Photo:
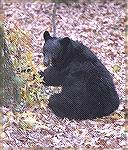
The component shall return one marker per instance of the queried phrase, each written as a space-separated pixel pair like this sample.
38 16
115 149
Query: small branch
54 19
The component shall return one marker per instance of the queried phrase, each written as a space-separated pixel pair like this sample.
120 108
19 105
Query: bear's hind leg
58 106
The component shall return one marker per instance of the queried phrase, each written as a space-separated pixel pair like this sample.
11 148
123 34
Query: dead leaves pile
41 128
99 25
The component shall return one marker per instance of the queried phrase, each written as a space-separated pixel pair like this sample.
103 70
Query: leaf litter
101 26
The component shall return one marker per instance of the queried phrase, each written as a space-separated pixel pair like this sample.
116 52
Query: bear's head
55 50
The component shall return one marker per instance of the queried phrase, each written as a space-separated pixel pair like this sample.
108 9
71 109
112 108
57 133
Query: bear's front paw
41 73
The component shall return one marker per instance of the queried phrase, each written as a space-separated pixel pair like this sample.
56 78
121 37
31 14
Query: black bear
88 90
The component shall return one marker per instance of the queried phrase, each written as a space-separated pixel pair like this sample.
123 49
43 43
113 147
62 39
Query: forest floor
100 25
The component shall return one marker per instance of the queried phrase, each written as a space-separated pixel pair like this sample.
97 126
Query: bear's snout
46 62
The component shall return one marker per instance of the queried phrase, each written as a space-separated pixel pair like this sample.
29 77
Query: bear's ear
65 41
47 36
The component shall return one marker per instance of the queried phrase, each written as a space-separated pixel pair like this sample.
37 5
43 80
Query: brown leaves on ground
99 25
41 128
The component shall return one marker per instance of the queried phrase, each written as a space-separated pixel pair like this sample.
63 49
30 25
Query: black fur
88 90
